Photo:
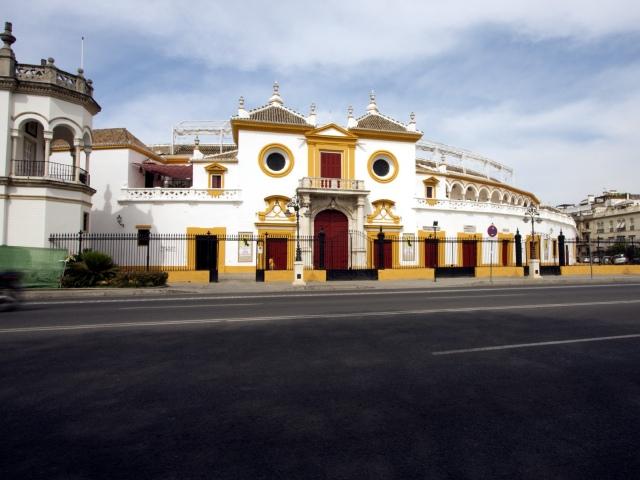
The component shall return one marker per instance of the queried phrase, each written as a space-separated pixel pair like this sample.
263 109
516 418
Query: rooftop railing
48 73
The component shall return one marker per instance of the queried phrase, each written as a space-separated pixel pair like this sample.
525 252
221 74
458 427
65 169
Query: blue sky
549 88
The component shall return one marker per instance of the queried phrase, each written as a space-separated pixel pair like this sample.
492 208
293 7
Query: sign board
492 230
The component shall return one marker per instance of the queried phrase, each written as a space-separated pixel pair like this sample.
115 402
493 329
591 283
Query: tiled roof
116 137
229 155
379 122
187 149
276 114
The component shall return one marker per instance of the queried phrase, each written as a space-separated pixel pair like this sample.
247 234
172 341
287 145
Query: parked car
10 290
595 259
620 259
607 260
635 260
586 260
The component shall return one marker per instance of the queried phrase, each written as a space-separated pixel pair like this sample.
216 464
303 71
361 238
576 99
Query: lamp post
294 204
298 267
435 242
532 214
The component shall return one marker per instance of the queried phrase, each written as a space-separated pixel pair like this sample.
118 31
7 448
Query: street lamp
532 214
295 205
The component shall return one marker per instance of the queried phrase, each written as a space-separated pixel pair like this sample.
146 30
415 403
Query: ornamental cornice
50 90
47 183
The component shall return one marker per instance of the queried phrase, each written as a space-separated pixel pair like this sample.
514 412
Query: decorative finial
7 36
242 113
311 118
372 107
276 99
351 122
196 141
412 122
50 61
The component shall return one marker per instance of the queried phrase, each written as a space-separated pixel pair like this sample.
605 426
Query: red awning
182 172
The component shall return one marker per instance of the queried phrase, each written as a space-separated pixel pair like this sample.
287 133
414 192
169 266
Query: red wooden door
335 226
505 253
330 165
469 253
388 252
276 253
431 253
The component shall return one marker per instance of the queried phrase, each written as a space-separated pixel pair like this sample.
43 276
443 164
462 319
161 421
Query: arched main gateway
333 254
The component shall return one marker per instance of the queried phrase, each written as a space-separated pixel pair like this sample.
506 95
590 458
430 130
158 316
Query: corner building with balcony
41 105
352 183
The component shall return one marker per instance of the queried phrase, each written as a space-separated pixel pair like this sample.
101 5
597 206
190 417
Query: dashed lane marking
95 326
535 344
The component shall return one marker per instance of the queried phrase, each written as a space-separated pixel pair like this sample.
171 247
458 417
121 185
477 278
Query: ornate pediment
215 168
383 213
276 210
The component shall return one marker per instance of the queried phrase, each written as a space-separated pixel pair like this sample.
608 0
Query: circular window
383 166
276 160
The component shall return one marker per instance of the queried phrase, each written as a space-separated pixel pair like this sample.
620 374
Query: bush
139 279
88 269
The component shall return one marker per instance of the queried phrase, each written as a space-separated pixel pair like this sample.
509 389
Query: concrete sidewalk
244 286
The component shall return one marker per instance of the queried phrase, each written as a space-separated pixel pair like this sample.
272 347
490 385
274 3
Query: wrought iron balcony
50 171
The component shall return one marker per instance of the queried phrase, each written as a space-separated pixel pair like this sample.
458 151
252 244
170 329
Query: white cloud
294 33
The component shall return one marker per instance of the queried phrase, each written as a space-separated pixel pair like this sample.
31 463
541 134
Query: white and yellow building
353 181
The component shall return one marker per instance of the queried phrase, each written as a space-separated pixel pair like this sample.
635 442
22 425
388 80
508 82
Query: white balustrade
321 183
180 195
489 207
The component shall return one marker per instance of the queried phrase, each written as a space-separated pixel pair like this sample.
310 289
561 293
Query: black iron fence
606 251
347 251
57 171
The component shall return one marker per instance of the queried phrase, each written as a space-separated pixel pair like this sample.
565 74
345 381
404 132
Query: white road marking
250 295
163 307
395 313
535 344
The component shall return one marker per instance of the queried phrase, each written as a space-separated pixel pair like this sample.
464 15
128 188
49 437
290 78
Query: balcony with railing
487 207
195 195
41 170
332 185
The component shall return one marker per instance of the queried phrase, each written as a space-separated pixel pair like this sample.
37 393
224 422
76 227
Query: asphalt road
527 382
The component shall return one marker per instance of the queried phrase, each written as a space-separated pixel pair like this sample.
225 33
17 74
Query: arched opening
484 195
456 192
471 195
506 198
495 197
28 155
331 246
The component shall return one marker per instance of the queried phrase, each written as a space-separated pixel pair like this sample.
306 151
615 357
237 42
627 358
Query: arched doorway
331 250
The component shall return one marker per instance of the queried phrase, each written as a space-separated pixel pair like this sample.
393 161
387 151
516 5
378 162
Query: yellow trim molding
390 157
244 124
191 245
381 135
262 160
